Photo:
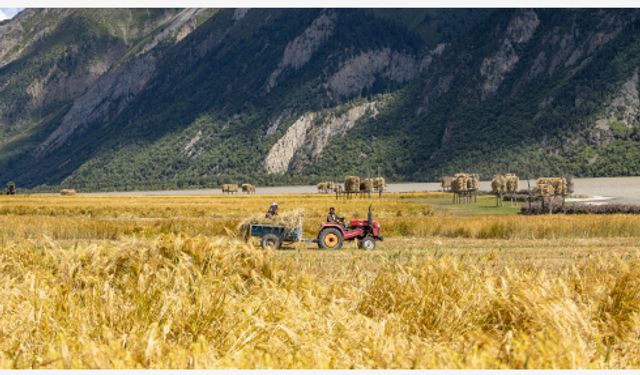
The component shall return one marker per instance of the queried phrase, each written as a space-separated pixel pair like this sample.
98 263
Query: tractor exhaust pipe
370 218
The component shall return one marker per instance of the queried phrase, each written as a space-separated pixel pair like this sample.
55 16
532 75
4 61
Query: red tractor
332 235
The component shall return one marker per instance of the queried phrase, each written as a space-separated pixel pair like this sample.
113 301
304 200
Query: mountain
170 98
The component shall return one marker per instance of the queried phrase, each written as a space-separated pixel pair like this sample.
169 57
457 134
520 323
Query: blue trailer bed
275 235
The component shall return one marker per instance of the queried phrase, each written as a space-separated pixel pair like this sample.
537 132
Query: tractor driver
273 211
332 217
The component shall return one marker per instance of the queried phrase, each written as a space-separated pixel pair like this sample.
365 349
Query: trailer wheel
367 243
271 240
330 239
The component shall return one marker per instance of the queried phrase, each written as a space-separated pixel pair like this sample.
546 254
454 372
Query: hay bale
459 183
322 187
352 184
379 184
366 185
558 185
512 182
338 188
331 186
445 183
68 192
288 219
473 182
498 184
248 188
230 188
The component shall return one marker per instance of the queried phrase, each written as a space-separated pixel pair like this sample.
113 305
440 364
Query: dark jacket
334 218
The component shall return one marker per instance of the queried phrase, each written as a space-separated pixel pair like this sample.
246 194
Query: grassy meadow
164 282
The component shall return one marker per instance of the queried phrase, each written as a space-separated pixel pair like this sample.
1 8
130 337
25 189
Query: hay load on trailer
285 227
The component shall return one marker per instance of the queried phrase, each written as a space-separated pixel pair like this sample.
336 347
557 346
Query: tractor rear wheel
330 239
367 243
271 240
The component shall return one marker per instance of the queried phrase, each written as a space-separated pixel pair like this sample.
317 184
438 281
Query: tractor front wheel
271 240
330 239
367 243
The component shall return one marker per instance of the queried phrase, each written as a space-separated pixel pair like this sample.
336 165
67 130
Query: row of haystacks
233 188
288 219
328 186
354 184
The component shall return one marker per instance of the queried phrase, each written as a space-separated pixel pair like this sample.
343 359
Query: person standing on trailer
273 211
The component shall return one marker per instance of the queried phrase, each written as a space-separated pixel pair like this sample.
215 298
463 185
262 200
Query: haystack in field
459 187
351 185
68 192
379 184
559 186
230 188
366 186
288 219
498 187
248 188
512 183
322 187
445 183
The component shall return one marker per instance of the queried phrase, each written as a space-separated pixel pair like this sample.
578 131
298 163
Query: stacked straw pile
352 184
512 183
379 184
230 188
248 188
366 185
473 182
551 186
288 219
445 183
460 182
68 192
498 184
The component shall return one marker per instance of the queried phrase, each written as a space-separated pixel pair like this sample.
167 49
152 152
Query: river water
615 189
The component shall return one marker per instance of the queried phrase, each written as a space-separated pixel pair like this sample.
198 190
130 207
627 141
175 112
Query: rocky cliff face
305 140
166 98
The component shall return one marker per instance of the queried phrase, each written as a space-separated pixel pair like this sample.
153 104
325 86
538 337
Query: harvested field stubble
156 282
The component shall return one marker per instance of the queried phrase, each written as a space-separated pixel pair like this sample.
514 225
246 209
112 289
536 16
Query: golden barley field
164 282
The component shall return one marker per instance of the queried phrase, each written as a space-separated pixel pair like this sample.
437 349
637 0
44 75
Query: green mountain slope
177 98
